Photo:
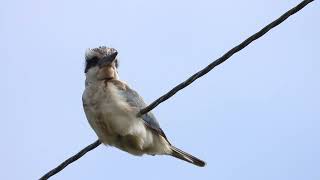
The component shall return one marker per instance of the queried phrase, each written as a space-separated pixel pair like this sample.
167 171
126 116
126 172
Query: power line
71 160
187 82
225 57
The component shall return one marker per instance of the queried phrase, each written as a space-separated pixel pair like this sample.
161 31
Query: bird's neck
102 75
92 81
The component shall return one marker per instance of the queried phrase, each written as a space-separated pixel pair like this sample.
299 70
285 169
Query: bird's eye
93 59
91 63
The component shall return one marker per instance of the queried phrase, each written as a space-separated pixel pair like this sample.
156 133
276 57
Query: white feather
110 115
89 54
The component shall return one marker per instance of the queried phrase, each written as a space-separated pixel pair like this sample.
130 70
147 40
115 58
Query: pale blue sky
254 117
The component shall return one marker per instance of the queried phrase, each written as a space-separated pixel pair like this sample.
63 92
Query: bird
112 108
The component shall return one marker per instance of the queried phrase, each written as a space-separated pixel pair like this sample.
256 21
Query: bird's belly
110 120
115 123
124 132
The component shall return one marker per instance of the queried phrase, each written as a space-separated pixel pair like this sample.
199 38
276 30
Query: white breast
111 117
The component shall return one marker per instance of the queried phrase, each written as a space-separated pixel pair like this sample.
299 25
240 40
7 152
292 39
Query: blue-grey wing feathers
133 99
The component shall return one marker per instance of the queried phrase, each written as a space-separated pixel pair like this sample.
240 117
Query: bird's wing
135 100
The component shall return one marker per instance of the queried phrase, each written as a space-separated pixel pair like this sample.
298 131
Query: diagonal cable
187 82
70 160
224 57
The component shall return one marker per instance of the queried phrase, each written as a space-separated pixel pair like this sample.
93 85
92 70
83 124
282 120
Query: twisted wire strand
187 82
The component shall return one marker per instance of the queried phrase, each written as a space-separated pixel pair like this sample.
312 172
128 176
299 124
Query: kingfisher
112 108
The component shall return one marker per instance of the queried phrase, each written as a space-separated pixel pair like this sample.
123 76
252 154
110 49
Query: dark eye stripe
90 63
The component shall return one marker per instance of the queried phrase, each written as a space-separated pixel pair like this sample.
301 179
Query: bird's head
101 63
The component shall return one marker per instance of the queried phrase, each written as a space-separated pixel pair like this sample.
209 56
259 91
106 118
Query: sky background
254 117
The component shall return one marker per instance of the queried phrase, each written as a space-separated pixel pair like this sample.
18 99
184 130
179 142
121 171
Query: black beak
107 59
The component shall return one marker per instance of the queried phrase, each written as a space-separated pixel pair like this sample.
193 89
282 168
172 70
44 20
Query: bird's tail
186 157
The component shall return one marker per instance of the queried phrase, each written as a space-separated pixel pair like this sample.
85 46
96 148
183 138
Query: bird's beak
108 59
